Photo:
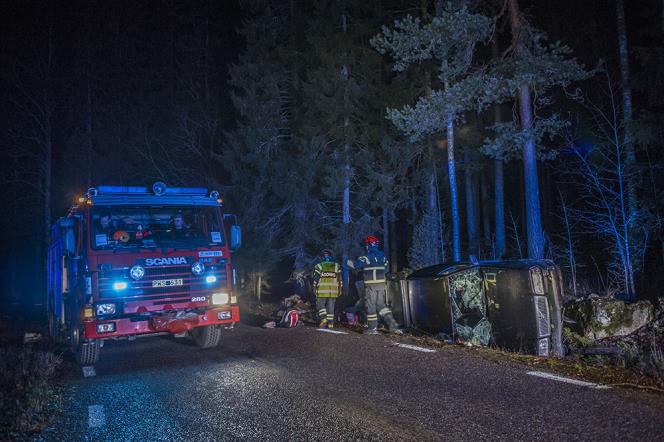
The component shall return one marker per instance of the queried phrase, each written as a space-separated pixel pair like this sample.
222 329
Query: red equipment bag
291 318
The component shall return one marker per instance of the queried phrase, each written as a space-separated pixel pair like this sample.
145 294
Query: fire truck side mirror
236 237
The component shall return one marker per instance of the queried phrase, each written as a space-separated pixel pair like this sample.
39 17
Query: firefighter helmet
371 241
326 252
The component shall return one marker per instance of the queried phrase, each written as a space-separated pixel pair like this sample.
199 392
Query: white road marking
89 371
96 417
541 374
416 348
336 332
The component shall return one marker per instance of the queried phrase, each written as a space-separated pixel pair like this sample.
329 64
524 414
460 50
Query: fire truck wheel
206 337
87 353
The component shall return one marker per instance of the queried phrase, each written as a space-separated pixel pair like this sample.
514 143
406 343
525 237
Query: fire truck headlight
119 286
210 279
136 272
105 309
197 268
220 298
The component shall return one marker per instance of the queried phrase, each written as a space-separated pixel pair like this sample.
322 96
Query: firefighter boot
392 324
322 318
330 320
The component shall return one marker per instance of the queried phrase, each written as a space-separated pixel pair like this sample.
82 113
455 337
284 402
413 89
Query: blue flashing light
210 279
119 286
187 190
142 190
122 189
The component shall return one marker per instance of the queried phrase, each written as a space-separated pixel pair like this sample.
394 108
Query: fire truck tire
87 353
206 337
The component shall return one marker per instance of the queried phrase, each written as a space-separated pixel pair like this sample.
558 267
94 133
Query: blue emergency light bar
139 190
139 195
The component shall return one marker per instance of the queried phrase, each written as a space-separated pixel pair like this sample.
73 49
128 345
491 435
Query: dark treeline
501 129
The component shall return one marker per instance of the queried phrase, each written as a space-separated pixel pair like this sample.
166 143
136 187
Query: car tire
206 337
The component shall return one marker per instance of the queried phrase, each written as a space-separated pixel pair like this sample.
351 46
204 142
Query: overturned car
513 305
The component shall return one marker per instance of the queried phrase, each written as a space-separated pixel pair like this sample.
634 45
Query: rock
30 337
599 318
659 310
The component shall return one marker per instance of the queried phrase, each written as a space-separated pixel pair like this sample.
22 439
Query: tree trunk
499 185
345 273
432 208
394 256
386 228
432 196
499 195
89 134
259 286
471 218
47 165
88 75
486 218
439 213
454 199
532 194
570 244
630 157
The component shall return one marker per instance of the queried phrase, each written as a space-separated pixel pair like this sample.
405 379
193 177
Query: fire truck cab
133 261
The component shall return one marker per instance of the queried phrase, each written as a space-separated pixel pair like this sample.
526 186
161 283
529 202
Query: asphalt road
303 384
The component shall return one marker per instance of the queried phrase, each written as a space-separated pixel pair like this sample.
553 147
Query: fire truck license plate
166 282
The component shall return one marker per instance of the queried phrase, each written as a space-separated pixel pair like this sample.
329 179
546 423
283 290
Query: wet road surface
304 384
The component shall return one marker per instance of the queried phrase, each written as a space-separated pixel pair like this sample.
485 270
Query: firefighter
327 283
374 266
180 229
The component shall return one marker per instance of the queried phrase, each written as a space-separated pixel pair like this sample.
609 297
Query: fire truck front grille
145 288
542 316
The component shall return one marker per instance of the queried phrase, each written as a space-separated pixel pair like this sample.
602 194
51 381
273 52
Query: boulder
599 318
659 310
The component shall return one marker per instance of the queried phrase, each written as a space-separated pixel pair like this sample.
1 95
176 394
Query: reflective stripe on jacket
374 266
327 274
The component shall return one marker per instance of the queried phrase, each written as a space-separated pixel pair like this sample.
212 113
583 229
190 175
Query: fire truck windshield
177 227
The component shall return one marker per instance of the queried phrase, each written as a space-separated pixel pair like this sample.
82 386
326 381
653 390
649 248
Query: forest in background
324 121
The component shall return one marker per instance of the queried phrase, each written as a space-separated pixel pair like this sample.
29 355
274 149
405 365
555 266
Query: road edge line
553 377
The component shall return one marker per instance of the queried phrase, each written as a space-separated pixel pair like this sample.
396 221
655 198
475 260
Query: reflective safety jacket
374 266
328 279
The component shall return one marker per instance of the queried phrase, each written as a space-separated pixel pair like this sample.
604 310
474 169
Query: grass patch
27 390
597 369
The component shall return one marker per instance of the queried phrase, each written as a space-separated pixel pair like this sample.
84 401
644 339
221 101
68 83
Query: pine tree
450 40
253 145
421 253
531 65
339 108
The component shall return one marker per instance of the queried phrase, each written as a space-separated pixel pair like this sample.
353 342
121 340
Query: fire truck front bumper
170 322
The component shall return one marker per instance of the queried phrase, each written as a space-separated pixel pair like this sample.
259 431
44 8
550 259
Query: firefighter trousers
325 307
374 300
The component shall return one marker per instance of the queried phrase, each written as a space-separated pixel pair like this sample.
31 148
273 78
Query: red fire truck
134 261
